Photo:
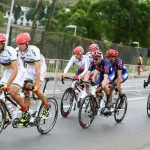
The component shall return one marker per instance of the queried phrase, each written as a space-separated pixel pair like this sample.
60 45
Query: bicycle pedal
6 124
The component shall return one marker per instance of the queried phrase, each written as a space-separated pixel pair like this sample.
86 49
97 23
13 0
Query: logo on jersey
106 69
33 52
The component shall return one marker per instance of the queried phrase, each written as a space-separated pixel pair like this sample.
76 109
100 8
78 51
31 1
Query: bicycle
71 97
148 99
90 107
35 116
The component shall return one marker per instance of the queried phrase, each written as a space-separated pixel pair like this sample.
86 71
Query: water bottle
115 98
77 94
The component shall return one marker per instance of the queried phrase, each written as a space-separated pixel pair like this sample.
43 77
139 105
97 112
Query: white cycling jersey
83 64
30 57
6 57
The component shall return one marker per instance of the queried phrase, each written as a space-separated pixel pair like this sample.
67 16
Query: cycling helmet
2 38
93 47
79 49
111 53
23 38
97 54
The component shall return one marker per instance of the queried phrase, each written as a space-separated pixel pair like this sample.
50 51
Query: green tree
1 19
17 13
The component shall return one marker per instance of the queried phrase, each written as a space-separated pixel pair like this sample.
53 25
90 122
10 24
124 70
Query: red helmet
23 38
97 54
112 53
2 38
79 49
93 47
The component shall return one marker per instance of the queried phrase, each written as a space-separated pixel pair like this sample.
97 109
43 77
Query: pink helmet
23 38
112 53
97 54
2 38
79 49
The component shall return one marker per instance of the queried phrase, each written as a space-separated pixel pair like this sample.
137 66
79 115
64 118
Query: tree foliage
118 21
17 12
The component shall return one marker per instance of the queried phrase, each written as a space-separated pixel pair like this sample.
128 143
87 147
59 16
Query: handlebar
70 78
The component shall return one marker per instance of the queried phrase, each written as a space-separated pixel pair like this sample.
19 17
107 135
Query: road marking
132 99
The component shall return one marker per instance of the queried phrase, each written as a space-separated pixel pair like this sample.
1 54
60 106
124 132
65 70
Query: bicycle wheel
66 102
119 114
86 112
148 105
2 116
45 125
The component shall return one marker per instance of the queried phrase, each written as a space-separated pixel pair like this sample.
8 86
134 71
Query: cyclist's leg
122 96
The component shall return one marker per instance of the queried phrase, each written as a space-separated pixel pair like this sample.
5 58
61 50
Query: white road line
132 99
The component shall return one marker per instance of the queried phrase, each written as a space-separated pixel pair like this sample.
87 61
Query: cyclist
14 74
106 75
92 49
121 73
81 61
36 71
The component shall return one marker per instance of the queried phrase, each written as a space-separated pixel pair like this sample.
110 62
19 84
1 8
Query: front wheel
2 116
67 102
119 114
148 106
86 112
45 125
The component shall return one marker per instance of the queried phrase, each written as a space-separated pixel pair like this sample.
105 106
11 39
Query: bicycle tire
45 125
118 111
148 105
2 116
67 102
87 110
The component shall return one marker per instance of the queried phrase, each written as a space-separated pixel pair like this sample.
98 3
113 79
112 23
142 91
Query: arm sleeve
86 60
68 65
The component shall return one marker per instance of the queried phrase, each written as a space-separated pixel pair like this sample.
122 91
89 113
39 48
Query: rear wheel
148 106
66 102
45 125
86 112
119 114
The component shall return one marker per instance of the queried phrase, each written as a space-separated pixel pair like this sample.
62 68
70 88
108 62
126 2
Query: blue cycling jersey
105 67
118 65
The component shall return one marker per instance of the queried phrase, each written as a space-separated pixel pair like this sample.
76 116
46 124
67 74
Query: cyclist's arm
87 75
38 73
68 65
14 66
119 78
105 81
86 60
96 72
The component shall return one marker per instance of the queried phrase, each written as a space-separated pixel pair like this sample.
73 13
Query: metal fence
55 67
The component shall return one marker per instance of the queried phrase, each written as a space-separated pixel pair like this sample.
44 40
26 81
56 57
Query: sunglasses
95 59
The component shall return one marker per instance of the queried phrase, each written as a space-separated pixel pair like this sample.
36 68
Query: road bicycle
72 96
90 107
35 116
148 99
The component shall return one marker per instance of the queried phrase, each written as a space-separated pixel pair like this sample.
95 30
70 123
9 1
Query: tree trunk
33 28
47 27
